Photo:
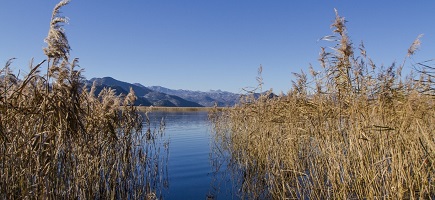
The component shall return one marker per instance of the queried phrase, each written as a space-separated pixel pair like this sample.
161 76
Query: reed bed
58 140
353 130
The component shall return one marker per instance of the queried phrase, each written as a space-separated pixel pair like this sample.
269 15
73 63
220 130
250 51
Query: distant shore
177 109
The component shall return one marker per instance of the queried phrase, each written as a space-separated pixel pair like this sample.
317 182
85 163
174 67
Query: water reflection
194 171
155 150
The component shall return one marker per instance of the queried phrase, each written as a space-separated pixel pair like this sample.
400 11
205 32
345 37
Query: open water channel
191 171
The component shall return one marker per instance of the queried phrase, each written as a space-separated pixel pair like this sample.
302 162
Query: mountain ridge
207 99
162 96
146 97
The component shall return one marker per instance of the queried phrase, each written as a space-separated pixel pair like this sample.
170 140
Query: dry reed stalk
362 132
60 141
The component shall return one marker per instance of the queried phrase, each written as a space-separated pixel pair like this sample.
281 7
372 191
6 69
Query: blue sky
212 44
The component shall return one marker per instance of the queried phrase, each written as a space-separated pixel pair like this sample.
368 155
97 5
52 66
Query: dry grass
351 131
60 141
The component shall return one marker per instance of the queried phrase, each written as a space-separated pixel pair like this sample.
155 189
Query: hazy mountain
146 97
207 99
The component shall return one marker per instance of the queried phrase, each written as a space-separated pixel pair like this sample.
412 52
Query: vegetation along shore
354 130
351 130
58 140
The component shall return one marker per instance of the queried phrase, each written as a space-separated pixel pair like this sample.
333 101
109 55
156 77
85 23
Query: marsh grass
351 131
60 141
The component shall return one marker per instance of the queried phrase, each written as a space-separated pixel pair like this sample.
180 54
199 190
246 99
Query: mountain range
208 99
161 96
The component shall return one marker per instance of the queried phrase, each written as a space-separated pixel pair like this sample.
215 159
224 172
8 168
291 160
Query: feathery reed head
57 42
415 45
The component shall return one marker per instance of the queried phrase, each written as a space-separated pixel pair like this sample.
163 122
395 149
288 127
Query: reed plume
57 42
59 140
353 130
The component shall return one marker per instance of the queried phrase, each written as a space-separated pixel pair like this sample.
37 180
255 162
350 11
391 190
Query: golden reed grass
60 141
352 131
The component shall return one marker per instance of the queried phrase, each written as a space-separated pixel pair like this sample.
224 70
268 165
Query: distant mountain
120 91
146 97
162 99
221 98
109 81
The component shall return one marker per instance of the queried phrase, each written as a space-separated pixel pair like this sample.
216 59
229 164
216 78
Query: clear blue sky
211 44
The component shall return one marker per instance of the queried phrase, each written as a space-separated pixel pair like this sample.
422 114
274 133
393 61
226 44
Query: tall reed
58 140
353 130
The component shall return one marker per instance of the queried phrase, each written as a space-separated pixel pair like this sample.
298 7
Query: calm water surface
190 171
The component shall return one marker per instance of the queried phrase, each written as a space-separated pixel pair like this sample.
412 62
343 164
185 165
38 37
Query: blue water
189 169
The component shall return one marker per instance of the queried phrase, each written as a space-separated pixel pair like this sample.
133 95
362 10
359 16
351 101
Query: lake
190 168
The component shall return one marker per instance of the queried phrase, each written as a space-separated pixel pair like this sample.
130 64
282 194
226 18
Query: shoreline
177 109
